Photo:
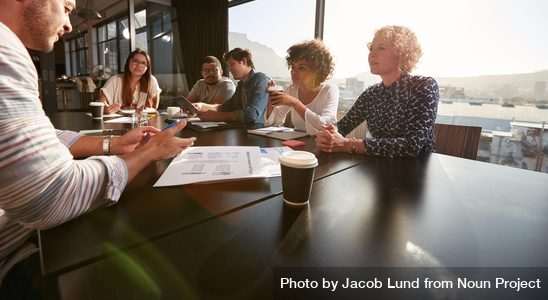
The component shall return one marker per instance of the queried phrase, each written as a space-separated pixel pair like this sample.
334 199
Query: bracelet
353 144
106 145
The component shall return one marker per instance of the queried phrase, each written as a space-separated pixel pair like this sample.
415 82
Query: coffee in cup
96 109
297 176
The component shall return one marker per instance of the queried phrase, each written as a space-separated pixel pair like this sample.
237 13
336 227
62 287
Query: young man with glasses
214 88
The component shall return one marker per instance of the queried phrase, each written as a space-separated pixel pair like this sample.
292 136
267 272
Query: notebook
208 126
281 133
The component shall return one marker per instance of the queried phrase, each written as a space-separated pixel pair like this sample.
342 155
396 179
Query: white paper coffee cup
96 109
297 176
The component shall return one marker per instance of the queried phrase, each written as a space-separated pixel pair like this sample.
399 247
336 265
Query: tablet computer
186 105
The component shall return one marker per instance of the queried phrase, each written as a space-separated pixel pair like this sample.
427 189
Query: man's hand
132 140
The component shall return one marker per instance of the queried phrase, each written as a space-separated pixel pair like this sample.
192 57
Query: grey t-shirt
224 89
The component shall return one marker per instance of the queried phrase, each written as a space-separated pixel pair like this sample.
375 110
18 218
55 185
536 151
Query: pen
275 131
170 125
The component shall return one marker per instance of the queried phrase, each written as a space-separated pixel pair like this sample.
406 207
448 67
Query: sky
458 38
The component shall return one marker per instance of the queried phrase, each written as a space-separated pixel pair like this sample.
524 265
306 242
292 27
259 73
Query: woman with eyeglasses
135 85
400 111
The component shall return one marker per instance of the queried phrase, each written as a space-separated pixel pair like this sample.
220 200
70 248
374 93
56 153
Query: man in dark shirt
248 104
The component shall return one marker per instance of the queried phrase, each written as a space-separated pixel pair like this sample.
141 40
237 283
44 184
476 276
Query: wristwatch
106 145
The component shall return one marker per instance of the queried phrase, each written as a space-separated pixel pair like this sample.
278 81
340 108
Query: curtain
203 31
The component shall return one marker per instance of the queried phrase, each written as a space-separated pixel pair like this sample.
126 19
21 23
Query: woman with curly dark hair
311 101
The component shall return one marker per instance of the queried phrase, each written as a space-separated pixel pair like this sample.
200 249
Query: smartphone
185 104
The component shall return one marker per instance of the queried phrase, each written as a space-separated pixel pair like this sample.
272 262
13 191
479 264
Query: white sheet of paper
205 164
124 120
270 166
148 110
274 129
207 124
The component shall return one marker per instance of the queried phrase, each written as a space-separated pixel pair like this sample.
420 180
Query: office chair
457 140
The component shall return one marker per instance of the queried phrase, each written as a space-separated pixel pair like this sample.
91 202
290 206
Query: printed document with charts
206 164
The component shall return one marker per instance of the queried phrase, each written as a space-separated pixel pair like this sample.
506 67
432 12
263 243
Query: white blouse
113 90
322 108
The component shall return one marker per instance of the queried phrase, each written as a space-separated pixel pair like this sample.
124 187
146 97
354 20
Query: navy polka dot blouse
400 117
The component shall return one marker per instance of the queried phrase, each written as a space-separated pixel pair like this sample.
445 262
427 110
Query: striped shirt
42 185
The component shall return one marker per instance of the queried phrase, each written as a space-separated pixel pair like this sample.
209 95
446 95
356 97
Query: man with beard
214 88
248 104
43 185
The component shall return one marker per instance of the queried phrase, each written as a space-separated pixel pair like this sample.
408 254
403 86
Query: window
268 28
162 40
78 55
107 46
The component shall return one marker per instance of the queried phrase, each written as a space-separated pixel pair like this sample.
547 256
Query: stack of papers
215 163
126 120
147 110
280 132
204 125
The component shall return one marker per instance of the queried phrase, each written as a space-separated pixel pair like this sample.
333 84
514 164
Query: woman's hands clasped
329 140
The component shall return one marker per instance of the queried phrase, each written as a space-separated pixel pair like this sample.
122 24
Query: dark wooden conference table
235 240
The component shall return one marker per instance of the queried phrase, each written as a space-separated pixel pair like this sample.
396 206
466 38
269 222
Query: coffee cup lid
97 104
298 159
276 88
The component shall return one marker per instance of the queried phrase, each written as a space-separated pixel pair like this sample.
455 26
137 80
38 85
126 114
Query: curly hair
406 45
316 55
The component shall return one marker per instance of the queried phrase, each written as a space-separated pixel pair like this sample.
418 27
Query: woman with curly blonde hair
310 100
400 111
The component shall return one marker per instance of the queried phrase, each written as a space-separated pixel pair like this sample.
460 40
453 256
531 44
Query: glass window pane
252 25
73 63
162 55
101 33
111 56
156 27
141 41
141 19
82 62
166 22
111 30
101 54
124 53
80 42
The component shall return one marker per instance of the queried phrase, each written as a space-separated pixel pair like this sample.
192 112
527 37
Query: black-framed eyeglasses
140 63
210 71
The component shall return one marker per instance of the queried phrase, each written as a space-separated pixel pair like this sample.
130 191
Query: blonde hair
406 45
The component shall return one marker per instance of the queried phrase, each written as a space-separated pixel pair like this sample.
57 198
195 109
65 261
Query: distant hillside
264 57
505 86
524 81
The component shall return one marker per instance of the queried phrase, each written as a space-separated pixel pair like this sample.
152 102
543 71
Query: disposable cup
96 109
297 176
